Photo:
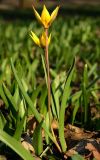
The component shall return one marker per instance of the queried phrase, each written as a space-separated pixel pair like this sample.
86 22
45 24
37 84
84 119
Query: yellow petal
37 14
35 39
45 17
43 39
49 39
54 14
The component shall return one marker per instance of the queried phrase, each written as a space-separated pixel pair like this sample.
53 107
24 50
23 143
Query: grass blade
2 121
19 128
66 94
15 146
85 94
77 157
37 139
14 107
3 96
30 103
76 107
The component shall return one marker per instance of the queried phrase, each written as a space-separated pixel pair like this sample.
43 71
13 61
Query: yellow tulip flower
35 39
41 42
43 39
46 19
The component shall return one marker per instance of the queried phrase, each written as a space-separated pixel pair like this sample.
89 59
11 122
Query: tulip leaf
30 103
76 107
77 157
15 145
85 93
14 107
65 97
19 128
37 139
2 121
3 96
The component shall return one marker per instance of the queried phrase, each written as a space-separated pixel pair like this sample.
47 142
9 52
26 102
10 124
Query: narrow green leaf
12 107
22 108
93 82
2 120
42 101
34 97
3 96
93 69
10 97
15 146
30 103
48 126
53 104
65 96
85 93
16 95
36 113
44 67
76 107
53 73
95 96
76 96
36 93
19 129
55 96
85 76
37 139
77 157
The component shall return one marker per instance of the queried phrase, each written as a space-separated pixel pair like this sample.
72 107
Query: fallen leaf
92 149
28 146
76 133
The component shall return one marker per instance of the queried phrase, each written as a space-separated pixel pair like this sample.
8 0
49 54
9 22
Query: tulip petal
49 39
37 15
45 17
35 39
54 14
43 39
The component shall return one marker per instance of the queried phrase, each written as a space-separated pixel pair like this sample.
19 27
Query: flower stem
48 75
49 88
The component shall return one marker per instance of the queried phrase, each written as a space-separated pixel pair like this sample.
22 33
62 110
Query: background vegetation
71 37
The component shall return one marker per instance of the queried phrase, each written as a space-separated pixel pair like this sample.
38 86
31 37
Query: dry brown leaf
31 121
70 153
76 133
92 149
28 146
